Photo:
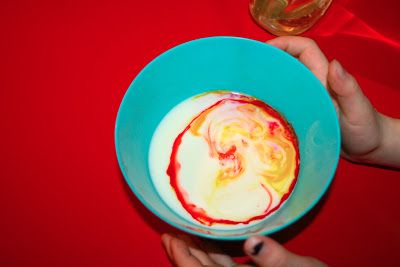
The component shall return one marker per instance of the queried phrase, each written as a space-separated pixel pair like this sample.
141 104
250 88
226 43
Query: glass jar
287 17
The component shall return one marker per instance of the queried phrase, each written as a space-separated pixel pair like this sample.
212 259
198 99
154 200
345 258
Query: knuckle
278 260
311 42
308 41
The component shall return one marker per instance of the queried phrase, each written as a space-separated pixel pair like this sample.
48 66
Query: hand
367 135
263 251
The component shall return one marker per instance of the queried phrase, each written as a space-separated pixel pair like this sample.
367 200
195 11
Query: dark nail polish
257 248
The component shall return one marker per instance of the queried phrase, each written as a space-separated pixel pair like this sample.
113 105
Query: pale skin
368 137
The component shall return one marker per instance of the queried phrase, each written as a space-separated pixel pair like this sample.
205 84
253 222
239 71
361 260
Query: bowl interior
244 66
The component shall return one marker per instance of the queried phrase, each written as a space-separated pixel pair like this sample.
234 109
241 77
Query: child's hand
183 251
367 135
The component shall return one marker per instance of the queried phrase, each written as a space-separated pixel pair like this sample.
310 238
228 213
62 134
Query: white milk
236 200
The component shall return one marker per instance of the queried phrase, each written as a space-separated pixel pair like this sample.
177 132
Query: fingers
307 51
194 249
182 255
179 252
217 255
266 252
166 240
183 251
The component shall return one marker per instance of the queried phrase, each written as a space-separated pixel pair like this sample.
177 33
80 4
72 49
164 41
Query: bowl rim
204 234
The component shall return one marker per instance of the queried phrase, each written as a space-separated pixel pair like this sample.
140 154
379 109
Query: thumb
266 252
353 104
359 121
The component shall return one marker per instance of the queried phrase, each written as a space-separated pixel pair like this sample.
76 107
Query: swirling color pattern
246 161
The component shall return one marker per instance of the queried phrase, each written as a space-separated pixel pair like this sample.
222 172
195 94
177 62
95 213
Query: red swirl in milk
235 162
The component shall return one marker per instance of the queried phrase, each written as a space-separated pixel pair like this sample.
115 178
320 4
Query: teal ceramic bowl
245 66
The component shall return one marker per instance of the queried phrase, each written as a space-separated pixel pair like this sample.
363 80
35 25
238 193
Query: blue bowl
245 66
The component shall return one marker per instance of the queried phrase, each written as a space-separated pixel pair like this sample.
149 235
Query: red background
64 68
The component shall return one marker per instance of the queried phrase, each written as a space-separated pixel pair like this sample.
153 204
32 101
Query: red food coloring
272 126
174 166
230 154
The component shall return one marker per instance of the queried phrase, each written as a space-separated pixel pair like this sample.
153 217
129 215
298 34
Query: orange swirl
252 143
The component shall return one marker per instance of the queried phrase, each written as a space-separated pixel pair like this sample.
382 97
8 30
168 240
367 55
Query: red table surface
64 68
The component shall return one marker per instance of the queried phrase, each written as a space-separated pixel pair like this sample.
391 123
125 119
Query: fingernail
340 71
257 248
